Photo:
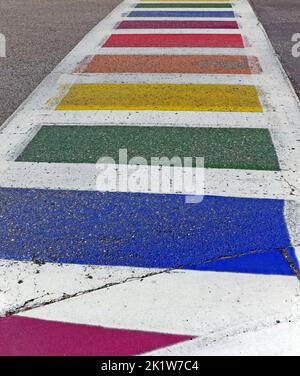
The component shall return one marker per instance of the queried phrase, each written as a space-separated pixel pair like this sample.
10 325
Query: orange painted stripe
209 64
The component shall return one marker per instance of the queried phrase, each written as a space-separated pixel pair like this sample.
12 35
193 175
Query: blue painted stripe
216 14
140 230
256 263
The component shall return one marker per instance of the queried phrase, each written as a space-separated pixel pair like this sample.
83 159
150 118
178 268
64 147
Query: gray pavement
281 19
39 33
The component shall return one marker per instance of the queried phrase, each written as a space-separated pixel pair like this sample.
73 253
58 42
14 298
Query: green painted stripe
180 5
222 148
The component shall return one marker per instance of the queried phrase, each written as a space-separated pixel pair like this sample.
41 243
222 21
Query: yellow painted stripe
164 97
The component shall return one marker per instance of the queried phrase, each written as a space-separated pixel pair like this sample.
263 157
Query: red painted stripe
33 337
178 25
175 40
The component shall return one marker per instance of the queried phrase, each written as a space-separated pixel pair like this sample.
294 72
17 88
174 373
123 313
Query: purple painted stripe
178 25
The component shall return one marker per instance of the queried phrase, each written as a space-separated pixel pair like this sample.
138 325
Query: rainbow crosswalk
162 78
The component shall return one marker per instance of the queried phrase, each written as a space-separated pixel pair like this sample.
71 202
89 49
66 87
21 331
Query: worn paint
201 64
156 24
221 148
161 97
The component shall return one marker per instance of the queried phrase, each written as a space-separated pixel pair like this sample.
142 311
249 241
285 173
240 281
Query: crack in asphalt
292 187
24 307
288 259
30 304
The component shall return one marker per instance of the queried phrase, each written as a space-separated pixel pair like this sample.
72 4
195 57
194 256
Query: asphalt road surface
39 34
281 19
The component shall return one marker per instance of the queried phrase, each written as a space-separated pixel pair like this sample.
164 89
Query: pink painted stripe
33 337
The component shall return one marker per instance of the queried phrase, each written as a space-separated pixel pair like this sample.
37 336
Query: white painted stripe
270 119
206 304
280 339
175 31
171 51
229 183
24 281
175 78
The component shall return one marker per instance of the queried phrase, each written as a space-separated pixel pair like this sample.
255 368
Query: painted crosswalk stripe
63 233
184 5
162 97
157 24
163 231
221 148
195 14
204 64
180 302
194 1
175 40
26 336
